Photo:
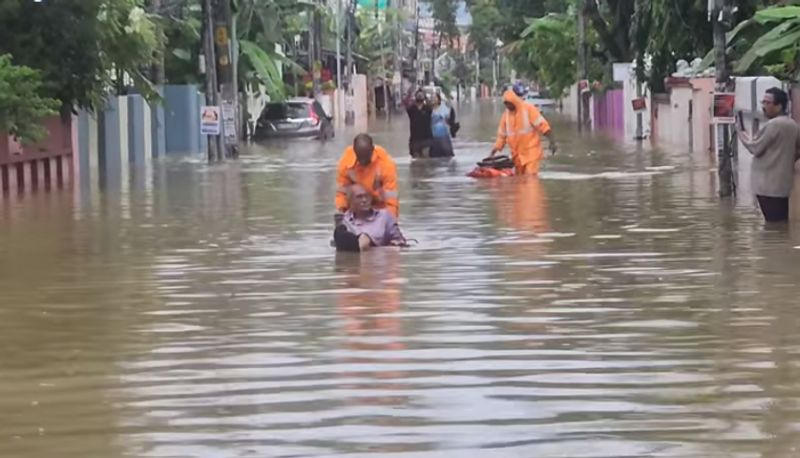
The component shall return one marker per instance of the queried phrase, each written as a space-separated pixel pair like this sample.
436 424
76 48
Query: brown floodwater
613 307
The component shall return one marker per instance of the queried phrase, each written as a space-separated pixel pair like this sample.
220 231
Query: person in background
521 128
419 116
442 119
363 227
370 166
775 149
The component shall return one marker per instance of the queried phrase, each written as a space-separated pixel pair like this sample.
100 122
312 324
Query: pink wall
43 164
58 143
609 111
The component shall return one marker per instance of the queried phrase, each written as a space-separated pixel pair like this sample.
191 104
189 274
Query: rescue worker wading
370 166
521 128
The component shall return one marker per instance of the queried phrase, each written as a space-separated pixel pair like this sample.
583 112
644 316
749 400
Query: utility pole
494 73
338 91
397 82
583 98
312 52
214 141
720 22
419 52
478 73
639 94
223 20
317 37
383 62
350 115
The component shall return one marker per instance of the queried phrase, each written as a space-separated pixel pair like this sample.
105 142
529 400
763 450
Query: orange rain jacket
522 131
379 178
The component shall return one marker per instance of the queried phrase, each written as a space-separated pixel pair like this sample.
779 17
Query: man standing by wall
775 148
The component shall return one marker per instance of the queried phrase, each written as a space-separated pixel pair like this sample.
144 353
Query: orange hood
511 97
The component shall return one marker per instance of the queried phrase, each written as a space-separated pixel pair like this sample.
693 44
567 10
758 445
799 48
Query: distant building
427 26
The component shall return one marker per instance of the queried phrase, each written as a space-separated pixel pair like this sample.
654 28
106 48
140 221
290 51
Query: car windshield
278 111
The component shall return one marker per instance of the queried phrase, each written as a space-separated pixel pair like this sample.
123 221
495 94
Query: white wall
626 75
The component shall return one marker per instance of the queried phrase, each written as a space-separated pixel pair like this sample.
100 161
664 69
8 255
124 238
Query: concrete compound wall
682 118
129 133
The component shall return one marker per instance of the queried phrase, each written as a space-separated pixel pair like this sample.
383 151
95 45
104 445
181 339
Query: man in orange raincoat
370 166
521 128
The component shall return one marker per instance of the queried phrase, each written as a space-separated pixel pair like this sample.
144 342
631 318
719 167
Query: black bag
497 162
454 128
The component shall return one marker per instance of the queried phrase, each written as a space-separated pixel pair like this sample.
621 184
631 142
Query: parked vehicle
431 91
297 117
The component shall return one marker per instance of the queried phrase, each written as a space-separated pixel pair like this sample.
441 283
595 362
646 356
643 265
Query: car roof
294 100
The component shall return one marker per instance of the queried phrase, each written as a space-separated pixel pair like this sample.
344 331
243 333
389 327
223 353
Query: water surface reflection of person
369 305
521 203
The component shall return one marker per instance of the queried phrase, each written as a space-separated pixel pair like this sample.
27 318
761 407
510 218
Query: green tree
375 42
81 47
444 16
486 21
546 52
22 106
262 26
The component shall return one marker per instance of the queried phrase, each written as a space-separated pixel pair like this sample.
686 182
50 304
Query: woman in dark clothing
419 116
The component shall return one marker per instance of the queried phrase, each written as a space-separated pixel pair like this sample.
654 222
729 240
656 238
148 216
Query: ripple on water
608 309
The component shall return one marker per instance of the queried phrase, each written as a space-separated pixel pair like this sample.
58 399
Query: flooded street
612 307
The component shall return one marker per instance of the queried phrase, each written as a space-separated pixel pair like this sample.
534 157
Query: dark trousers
775 209
442 147
419 147
345 240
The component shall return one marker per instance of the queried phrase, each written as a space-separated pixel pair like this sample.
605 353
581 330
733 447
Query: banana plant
769 41
262 27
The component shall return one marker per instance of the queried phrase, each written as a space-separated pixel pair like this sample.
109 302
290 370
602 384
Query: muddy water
611 308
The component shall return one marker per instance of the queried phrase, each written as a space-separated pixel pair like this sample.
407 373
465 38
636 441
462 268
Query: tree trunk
157 69
616 43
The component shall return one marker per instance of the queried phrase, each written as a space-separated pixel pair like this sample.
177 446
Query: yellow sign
222 36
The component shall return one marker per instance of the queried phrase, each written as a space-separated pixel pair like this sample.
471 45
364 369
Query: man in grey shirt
775 148
364 227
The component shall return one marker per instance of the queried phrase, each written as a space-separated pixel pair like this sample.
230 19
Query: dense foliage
81 59
22 104
543 35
